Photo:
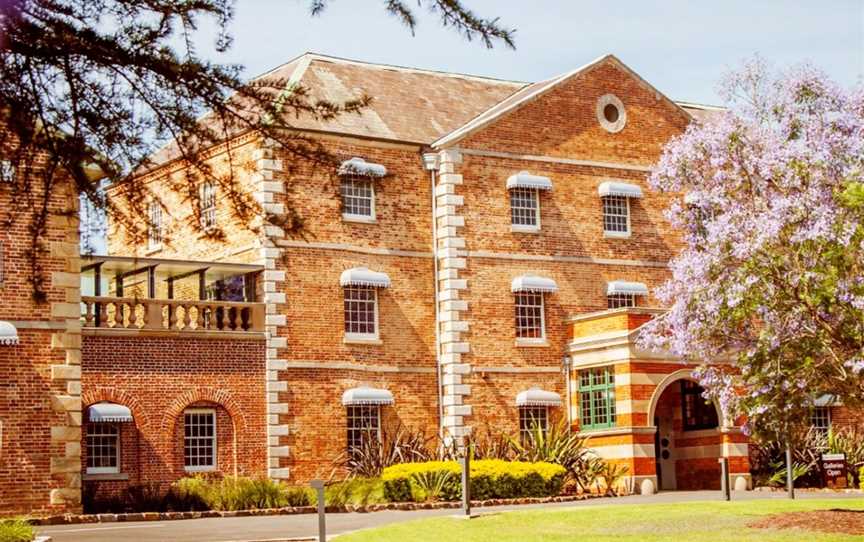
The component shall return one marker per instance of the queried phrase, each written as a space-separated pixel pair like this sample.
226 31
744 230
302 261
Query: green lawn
690 522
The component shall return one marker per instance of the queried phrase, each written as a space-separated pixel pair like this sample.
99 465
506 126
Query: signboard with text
834 470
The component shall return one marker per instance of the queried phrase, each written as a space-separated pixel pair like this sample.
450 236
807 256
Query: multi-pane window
361 313
698 412
199 443
529 315
154 229
103 448
364 423
597 398
616 215
616 301
532 418
820 419
524 207
358 197
7 171
207 204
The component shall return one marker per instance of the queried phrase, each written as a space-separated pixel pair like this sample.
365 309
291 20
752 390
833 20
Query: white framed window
7 171
199 439
820 419
530 321
154 228
361 312
358 197
103 448
616 301
364 423
531 417
524 209
616 216
207 205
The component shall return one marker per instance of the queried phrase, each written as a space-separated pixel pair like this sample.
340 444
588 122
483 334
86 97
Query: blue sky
681 47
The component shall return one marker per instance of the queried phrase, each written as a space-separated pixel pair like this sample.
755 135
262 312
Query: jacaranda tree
771 275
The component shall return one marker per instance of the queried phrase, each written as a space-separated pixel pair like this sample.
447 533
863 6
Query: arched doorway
687 441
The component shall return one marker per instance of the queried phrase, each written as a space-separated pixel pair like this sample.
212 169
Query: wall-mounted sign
834 470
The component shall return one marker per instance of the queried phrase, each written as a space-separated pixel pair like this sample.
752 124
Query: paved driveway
304 527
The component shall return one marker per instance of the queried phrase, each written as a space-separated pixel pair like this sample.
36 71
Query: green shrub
300 496
16 530
861 478
490 479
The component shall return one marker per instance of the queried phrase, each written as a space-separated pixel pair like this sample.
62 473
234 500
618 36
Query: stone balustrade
145 314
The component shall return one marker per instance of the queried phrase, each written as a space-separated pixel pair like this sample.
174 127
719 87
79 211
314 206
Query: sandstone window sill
363 340
525 229
532 343
616 235
359 219
105 477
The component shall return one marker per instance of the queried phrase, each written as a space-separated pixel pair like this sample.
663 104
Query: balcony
154 296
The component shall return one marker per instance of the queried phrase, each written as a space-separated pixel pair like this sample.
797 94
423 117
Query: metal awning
367 396
615 188
362 276
523 179
533 283
109 412
624 287
538 397
8 334
359 166
826 400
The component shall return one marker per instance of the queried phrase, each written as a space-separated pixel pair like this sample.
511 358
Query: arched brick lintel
221 397
121 397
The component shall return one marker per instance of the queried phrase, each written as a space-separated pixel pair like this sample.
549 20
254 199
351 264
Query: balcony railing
147 314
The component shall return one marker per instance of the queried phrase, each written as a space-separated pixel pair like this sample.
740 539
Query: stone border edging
770 489
68 519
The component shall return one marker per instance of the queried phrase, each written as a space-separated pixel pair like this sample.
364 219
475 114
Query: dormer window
524 190
357 189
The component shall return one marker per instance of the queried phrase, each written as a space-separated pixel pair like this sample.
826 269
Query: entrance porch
644 410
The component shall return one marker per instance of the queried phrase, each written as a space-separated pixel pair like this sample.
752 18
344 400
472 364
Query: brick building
483 258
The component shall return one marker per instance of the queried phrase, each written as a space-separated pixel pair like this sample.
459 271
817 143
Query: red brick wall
158 377
318 420
27 415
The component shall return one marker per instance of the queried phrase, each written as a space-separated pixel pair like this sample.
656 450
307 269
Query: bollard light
318 486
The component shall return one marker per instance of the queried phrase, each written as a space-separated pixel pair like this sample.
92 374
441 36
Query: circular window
610 113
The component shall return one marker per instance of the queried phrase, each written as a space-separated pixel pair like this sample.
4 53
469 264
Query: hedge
490 479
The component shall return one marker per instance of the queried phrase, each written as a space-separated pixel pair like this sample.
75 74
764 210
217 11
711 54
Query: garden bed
836 520
291 510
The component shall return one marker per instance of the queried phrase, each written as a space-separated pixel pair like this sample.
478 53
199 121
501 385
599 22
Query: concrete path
304 527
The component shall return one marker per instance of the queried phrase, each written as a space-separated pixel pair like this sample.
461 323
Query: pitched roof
407 104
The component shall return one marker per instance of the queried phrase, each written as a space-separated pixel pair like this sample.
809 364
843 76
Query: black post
724 478
466 482
790 481
318 485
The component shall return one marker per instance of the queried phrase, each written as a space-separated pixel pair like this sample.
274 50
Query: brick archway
220 397
140 415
